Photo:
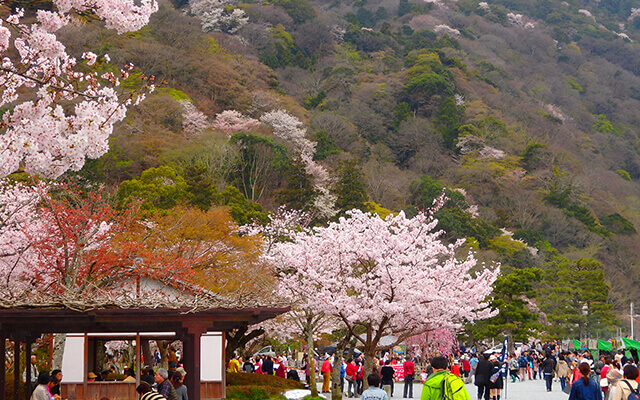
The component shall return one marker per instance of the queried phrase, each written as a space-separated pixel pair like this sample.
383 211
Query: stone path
527 390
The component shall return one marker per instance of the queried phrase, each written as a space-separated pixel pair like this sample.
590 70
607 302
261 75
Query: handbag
494 377
604 382
567 389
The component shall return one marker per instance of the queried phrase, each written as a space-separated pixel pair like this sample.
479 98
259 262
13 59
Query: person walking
409 373
513 368
326 374
628 385
441 380
606 390
473 362
495 386
33 381
483 373
562 371
387 374
351 373
548 366
585 388
523 362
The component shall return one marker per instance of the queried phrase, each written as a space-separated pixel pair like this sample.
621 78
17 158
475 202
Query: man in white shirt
34 373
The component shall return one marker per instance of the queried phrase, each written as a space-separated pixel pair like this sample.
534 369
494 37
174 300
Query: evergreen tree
509 297
200 187
298 192
574 297
350 189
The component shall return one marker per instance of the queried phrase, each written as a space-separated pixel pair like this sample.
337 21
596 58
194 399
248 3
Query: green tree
159 188
260 161
350 188
299 10
511 292
574 298
242 210
426 189
298 192
603 125
200 187
448 118
461 224
325 146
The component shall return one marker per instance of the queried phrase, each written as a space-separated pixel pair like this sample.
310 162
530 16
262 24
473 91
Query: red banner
399 371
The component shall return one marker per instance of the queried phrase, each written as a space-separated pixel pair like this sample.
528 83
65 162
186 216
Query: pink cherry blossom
232 121
383 276
37 77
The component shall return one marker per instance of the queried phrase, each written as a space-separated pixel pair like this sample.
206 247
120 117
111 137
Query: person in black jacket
483 372
267 366
548 366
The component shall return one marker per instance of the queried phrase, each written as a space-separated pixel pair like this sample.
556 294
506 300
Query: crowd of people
158 384
609 377
380 382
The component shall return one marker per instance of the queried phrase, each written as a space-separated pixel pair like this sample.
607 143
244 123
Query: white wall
73 358
211 357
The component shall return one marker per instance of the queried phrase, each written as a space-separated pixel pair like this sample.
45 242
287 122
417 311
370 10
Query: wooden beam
16 368
27 356
192 362
138 357
3 365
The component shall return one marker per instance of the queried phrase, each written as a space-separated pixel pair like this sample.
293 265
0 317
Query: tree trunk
59 340
367 368
336 382
163 345
147 356
312 364
238 339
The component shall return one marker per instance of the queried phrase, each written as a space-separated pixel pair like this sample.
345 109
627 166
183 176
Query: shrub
252 392
616 223
623 174
529 236
243 380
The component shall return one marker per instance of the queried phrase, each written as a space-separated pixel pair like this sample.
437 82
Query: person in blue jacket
585 388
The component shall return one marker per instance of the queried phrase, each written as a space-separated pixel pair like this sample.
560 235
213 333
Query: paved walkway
527 390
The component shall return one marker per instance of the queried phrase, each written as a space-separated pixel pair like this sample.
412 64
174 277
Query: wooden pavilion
192 327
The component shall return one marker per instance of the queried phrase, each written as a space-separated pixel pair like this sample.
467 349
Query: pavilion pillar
3 348
27 356
192 363
16 368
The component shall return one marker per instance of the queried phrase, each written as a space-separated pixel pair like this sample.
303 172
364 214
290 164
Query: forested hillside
525 111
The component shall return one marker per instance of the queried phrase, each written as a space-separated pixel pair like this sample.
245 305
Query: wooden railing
126 391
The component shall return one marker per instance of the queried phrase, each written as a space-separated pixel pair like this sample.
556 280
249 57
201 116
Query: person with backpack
585 388
513 367
627 388
442 385
522 362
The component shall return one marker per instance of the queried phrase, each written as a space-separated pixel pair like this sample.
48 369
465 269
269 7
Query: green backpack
446 392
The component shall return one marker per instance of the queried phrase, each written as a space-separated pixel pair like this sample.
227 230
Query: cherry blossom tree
441 339
194 122
61 109
232 121
383 276
290 129
218 15
303 321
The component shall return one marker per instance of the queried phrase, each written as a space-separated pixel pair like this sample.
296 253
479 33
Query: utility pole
632 336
